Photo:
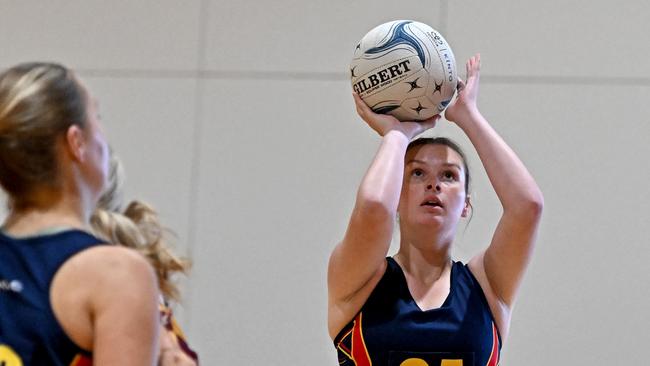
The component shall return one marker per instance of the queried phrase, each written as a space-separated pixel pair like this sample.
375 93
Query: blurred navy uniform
29 331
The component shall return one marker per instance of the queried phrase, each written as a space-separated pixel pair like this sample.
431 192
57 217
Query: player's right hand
383 123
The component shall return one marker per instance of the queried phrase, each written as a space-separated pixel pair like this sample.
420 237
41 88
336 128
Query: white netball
404 68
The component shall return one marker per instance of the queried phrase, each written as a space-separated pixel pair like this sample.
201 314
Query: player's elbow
527 207
373 208
531 206
535 203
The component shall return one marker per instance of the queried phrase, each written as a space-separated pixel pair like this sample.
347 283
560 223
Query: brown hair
38 103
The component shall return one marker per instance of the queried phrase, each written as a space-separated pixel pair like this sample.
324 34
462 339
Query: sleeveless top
29 331
391 330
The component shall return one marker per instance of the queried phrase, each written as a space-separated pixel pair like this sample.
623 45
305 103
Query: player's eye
449 175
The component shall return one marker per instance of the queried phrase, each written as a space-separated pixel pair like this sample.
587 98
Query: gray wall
235 119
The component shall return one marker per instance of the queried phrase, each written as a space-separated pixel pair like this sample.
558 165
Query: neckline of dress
444 304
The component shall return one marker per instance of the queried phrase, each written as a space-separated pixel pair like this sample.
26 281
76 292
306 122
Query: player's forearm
382 184
513 184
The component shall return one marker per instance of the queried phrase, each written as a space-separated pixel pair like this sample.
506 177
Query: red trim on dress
360 354
494 356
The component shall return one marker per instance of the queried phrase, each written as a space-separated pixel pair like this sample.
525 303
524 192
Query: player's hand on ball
465 104
383 123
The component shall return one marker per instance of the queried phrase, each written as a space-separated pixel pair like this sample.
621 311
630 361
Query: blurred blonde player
66 298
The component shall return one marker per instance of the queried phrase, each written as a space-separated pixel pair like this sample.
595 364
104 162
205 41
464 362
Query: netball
404 68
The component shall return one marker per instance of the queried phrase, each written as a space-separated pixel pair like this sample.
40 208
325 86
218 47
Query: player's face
433 191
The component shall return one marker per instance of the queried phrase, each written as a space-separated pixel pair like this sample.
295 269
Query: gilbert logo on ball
404 68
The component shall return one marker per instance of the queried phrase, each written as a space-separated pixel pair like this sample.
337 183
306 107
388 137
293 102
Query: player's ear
75 142
468 207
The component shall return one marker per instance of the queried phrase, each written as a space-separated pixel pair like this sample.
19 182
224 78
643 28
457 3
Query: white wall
235 119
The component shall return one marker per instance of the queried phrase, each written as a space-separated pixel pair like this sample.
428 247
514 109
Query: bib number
421 362
8 357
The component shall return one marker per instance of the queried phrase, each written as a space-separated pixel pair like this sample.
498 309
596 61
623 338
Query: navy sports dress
29 331
391 330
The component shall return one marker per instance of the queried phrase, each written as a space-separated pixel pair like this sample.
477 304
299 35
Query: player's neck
423 263
42 215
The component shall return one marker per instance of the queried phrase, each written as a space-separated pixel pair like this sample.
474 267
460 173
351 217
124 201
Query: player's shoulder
110 263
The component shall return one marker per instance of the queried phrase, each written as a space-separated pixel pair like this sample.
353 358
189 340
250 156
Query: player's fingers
473 66
430 122
360 105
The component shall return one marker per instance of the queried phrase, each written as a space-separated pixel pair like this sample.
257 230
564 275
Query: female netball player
139 227
69 300
420 307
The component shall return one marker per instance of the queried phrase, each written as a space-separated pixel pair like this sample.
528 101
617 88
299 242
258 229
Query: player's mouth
432 202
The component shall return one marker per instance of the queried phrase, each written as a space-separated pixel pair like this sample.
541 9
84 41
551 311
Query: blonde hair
137 227
38 103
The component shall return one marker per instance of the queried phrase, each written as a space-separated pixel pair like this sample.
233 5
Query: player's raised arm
357 262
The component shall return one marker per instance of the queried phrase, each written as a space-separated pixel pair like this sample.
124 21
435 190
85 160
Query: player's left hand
465 103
